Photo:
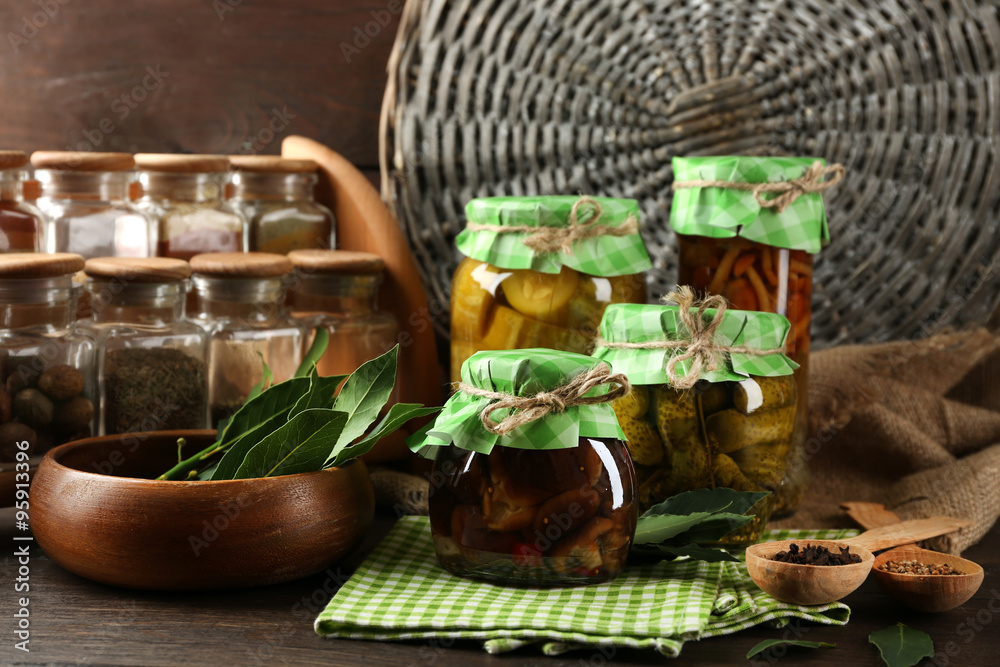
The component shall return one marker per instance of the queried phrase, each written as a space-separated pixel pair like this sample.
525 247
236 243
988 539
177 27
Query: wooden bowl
929 592
97 511
806 584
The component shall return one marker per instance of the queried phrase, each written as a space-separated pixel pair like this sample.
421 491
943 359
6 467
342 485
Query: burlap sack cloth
914 425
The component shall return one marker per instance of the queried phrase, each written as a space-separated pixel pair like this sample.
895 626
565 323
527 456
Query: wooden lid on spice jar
182 164
82 161
13 159
241 265
272 164
140 270
347 262
20 265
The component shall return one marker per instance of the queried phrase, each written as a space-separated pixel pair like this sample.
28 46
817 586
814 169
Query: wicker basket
517 97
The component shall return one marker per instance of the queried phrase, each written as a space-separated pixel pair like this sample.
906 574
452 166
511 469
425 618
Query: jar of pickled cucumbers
522 493
747 230
539 272
713 399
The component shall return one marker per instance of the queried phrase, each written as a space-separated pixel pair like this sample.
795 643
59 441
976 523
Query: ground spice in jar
154 389
816 554
916 567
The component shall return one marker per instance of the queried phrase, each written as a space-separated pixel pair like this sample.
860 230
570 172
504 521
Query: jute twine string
548 240
530 408
700 347
811 182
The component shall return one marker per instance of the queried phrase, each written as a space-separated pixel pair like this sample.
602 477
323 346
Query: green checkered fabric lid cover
604 255
522 373
633 323
724 213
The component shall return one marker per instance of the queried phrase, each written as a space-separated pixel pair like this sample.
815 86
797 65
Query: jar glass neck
38 302
282 187
111 186
337 293
256 299
118 300
186 187
12 184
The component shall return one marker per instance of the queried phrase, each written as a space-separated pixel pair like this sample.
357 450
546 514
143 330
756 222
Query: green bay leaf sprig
304 424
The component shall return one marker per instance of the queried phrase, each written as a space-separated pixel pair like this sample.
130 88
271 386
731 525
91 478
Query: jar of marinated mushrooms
526 494
184 194
713 399
748 228
22 226
539 272
85 198
47 363
275 195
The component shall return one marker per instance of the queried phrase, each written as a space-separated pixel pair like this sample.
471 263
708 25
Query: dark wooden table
74 621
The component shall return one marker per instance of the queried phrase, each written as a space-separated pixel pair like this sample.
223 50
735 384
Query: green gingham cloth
724 213
521 373
401 592
634 323
604 255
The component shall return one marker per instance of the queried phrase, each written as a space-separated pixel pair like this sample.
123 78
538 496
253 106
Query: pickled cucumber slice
734 430
633 404
510 330
471 302
542 296
641 440
765 393
460 351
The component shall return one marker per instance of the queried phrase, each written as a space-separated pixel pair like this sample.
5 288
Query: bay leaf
902 646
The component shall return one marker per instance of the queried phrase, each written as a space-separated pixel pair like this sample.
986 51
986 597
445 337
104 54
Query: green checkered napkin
400 592
522 373
724 213
634 323
599 256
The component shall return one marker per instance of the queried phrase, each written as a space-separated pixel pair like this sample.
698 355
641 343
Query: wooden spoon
923 592
812 584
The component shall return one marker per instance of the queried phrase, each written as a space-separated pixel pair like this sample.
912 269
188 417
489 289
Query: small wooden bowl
96 511
929 592
806 584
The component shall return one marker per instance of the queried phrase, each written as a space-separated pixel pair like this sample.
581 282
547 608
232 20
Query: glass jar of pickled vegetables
539 272
46 362
275 195
747 229
152 361
540 496
85 198
184 194
240 302
22 226
713 399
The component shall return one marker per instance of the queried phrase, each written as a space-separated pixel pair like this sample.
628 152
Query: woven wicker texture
517 97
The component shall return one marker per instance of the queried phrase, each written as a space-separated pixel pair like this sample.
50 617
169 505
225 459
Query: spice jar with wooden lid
22 226
240 301
47 378
152 360
747 229
275 195
184 193
85 199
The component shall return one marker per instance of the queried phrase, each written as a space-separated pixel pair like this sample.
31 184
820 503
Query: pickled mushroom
582 546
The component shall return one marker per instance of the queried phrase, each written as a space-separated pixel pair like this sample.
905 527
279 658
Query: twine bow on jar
529 408
546 240
813 181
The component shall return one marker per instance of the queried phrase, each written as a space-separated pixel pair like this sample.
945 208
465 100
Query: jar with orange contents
748 228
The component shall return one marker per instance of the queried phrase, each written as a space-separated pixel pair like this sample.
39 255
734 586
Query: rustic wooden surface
74 621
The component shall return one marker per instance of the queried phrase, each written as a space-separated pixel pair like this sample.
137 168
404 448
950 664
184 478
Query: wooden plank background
204 76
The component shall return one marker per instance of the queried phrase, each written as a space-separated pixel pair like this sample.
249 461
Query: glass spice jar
152 361
240 301
22 226
85 199
691 422
275 195
539 272
756 249
46 362
184 193
545 501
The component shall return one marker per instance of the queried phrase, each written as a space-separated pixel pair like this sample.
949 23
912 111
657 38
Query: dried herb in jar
154 389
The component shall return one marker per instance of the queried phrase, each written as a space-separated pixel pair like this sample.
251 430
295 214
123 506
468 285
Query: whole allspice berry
74 415
34 408
61 382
